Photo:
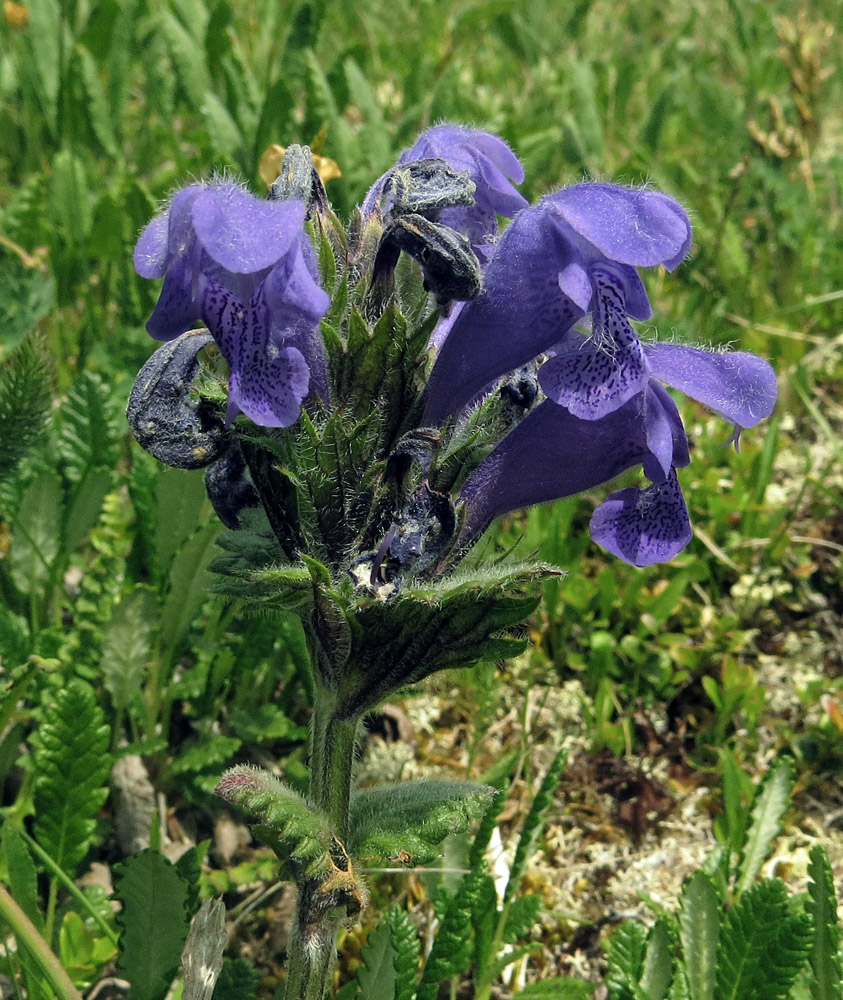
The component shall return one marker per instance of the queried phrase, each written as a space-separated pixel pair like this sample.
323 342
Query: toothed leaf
822 905
154 920
769 806
71 764
405 823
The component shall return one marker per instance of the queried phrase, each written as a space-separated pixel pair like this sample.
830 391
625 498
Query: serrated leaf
534 823
189 581
25 396
98 110
188 59
299 832
762 945
769 806
154 922
238 981
625 955
223 130
127 646
407 947
86 505
71 764
822 905
208 752
21 874
407 822
699 927
658 962
376 976
522 915
36 533
179 498
88 438
453 946
562 988
70 201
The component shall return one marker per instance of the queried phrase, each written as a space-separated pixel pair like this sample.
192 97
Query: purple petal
292 293
243 233
643 527
168 235
681 453
739 386
592 377
150 255
628 225
269 390
179 305
659 431
522 312
549 455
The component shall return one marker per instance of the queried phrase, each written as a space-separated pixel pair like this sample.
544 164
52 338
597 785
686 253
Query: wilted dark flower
489 163
572 255
553 453
246 268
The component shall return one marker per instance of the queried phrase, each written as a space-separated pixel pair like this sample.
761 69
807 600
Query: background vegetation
127 689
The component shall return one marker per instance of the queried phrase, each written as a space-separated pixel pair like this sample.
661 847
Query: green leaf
27 293
762 945
154 921
89 427
521 917
179 499
22 876
625 956
769 806
452 949
70 200
97 103
127 646
376 976
562 988
71 764
407 948
86 506
188 59
405 823
223 130
238 981
25 397
699 927
822 906
189 582
534 824
36 533
299 833
658 962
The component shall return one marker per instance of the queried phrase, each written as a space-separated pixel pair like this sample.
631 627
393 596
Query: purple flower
570 258
491 165
246 268
552 453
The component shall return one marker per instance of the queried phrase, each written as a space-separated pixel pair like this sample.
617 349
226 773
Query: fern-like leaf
71 764
562 988
154 921
25 390
90 432
765 823
626 961
238 981
534 824
405 941
822 905
453 947
762 945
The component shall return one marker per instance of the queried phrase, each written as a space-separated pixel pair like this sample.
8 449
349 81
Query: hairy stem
313 944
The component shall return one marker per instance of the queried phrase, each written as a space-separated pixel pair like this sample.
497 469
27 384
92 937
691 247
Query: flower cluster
550 299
